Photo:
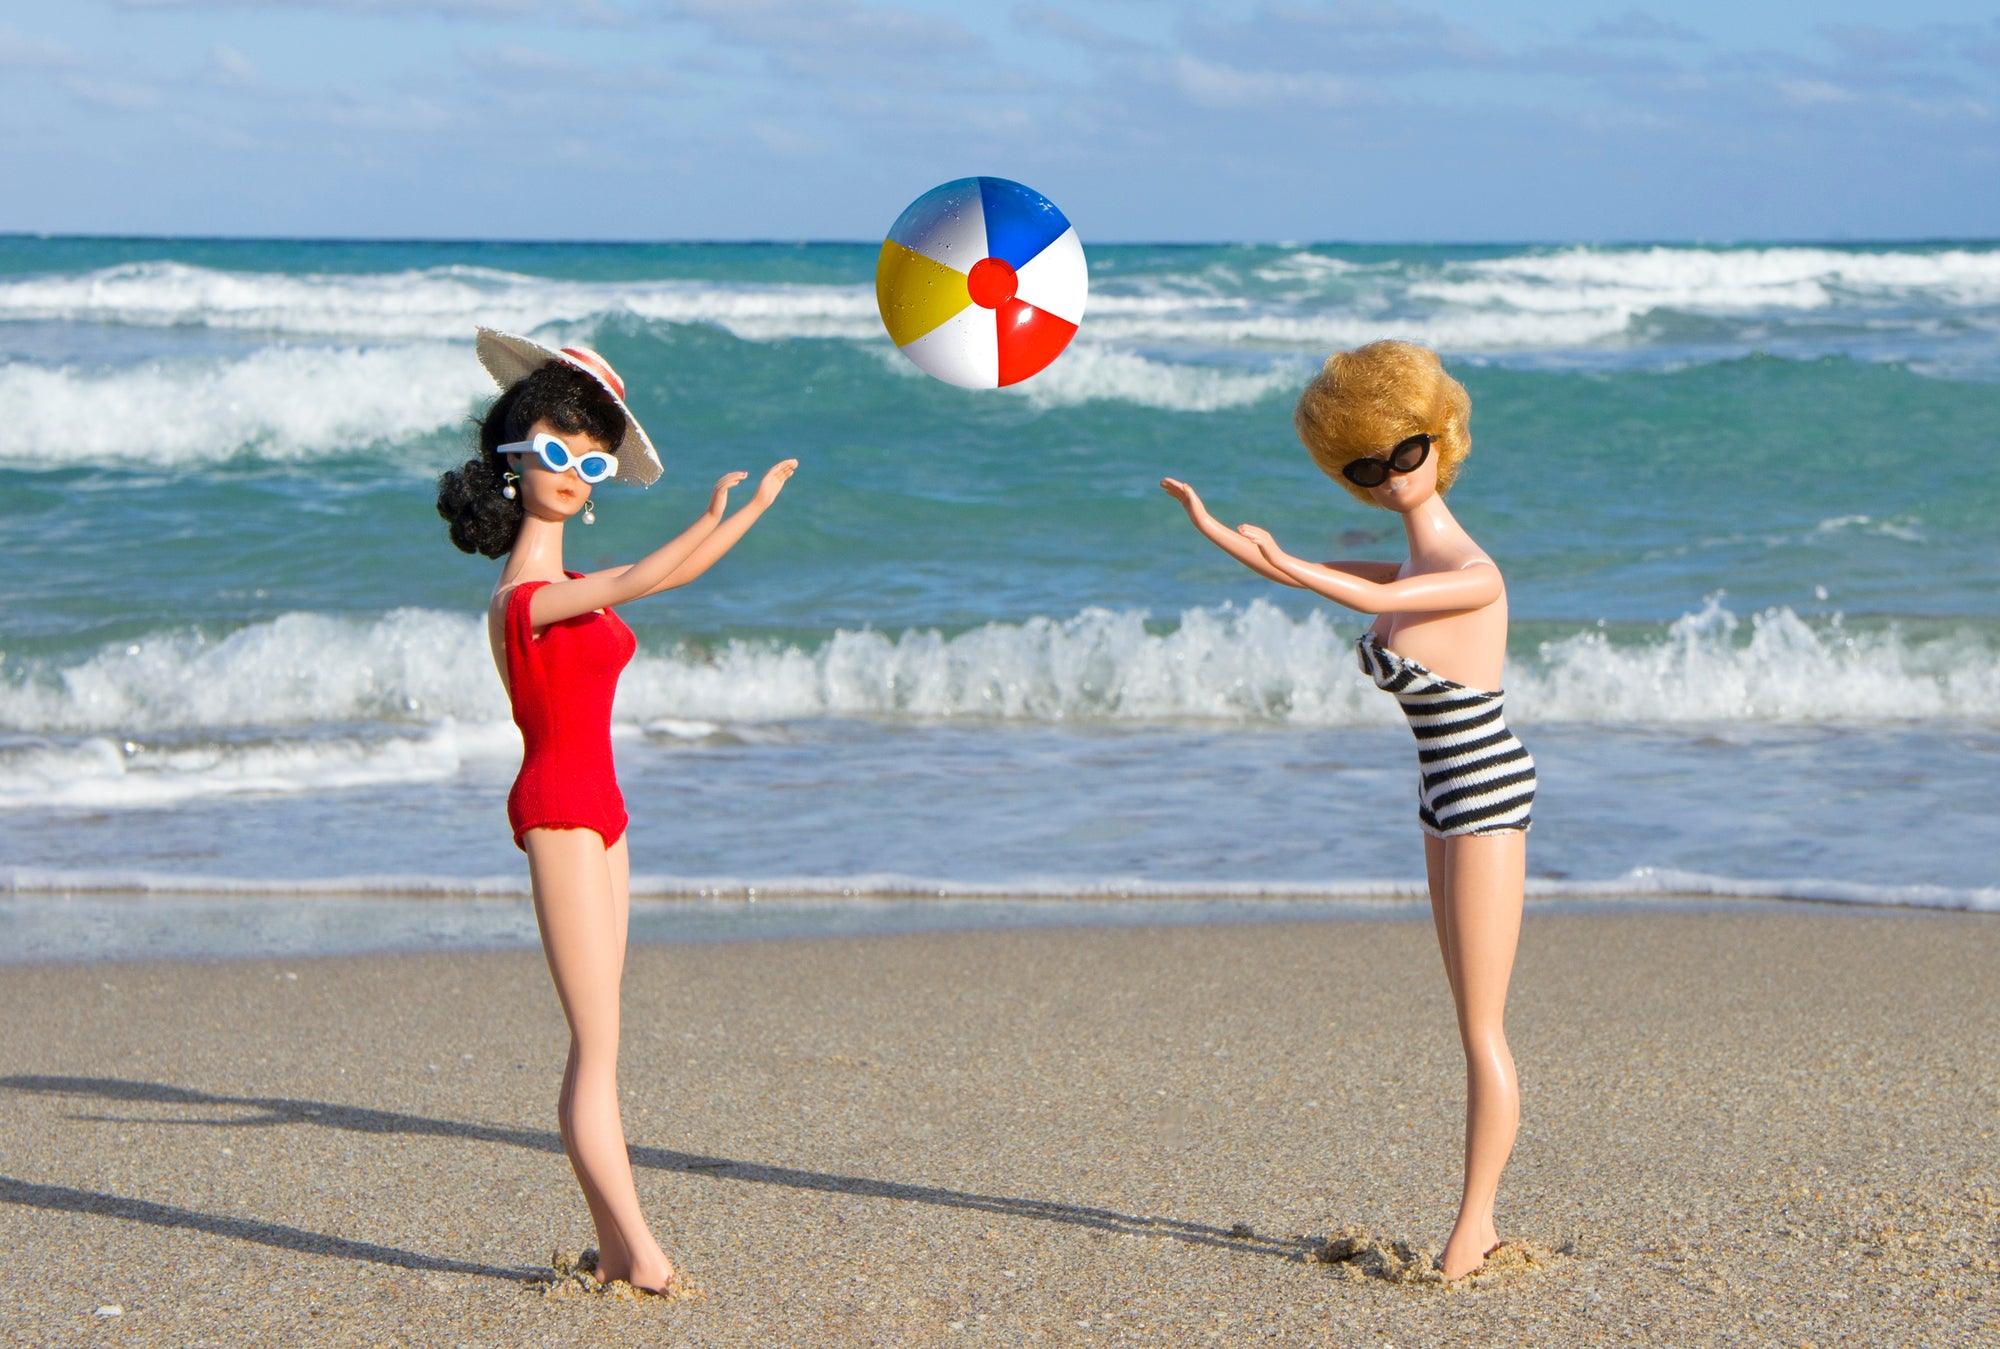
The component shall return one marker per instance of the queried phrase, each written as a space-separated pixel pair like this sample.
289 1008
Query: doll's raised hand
1261 537
775 478
718 500
1185 494
1243 549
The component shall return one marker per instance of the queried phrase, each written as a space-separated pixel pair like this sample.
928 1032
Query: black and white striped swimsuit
1474 776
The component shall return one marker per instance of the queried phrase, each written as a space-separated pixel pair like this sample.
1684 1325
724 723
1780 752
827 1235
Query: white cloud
397 114
230 68
1636 25
25 51
1371 39
1080 31
841 47
118 95
1947 109
793 114
519 59
786 140
819 33
1876 46
1804 93
520 72
219 134
455 9
1219 86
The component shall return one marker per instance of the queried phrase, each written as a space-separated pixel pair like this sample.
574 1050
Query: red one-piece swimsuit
561 685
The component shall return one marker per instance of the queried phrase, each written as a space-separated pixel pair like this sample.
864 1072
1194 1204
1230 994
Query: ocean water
1745 499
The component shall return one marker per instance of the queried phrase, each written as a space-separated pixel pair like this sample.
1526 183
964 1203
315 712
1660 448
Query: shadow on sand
63 1199
270 1111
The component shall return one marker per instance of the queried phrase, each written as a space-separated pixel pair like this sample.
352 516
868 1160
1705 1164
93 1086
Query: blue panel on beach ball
1020 222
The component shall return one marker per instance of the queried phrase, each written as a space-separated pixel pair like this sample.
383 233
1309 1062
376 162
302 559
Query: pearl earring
510 479
590 512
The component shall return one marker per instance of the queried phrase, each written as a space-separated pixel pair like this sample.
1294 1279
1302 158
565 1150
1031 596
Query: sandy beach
1772 1126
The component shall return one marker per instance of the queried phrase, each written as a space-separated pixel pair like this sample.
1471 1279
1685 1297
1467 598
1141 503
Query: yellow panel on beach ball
915 294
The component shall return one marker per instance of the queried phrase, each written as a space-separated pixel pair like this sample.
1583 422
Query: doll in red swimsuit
559 427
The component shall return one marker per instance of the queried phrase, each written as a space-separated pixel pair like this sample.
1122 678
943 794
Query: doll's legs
614 1261
581 905
1476 884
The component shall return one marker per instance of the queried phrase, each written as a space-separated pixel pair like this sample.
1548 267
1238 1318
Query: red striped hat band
597 366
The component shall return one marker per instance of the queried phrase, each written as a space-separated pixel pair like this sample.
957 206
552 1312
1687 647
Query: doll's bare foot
655 1279
1460 1259
655 1275
1467 1250
652 1276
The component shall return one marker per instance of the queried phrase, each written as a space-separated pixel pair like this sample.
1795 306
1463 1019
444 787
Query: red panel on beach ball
1029 339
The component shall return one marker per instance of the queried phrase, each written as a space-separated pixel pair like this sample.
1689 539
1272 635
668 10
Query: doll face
1404 492
554 496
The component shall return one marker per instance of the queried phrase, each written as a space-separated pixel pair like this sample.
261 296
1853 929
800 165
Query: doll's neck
537 548
1431 528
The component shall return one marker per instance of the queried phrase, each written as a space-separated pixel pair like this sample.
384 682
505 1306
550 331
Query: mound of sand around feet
1357 1254
573 1274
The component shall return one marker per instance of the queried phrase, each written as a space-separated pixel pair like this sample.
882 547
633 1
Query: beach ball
981 282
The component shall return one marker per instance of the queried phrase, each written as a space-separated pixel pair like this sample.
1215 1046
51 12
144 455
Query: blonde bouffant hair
1362 402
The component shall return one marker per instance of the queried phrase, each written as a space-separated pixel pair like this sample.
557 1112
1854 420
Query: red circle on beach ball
992 282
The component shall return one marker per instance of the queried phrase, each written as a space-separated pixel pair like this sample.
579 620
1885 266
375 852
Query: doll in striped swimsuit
1388 424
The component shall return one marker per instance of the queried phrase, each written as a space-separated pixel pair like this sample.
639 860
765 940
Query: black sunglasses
1408 456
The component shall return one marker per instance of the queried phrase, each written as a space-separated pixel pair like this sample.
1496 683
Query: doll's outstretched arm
1383 572
718 503
725 536
1222 536
615 585
1470 587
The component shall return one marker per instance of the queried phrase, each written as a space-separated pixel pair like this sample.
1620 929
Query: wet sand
1776 1126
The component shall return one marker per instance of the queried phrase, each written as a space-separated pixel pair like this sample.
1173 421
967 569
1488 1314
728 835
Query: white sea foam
99 773
409 667
1704 669
301 403
1229 325
280 403
438 303
1306 265
1642 883
1907 528
413 669
1716 280
1093 372
1532 300
1547 300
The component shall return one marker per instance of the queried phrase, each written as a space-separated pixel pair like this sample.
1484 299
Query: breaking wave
431 304
1255 664
1302 301
285 403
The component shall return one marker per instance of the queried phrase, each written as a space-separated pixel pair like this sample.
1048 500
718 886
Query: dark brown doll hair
472 497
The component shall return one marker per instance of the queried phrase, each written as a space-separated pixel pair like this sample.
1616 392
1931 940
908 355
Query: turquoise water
1744 498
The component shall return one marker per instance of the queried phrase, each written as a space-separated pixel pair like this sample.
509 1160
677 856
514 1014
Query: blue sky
790 119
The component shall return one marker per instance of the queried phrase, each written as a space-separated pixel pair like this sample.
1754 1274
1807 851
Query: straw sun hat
510 359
